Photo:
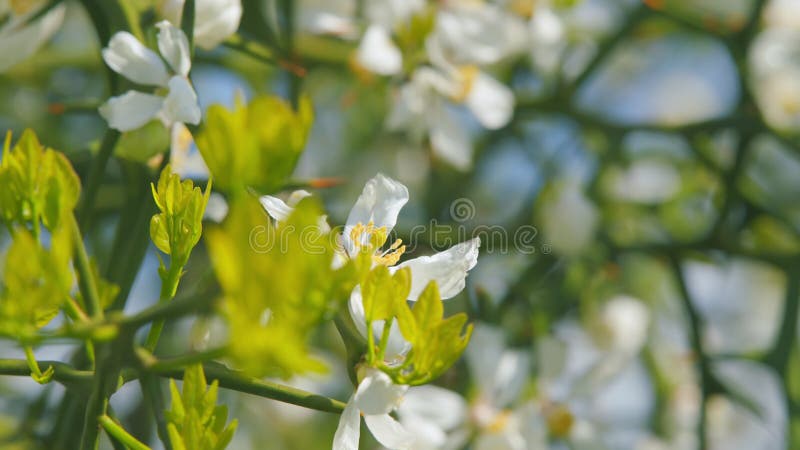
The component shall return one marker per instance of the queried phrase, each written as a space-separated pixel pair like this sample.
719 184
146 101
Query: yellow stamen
21 7
369 238
523 8
467 76
559 421
500 422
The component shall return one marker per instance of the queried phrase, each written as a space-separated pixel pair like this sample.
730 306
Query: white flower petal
377 53
216 20
181 103
389 432
508 440
18 41
427 435
448 268
130 110
380 202
490 101
377 394
129 58
174 46
280 210
184 158
275 207
349 430
483 355
432 404
449 139
216 209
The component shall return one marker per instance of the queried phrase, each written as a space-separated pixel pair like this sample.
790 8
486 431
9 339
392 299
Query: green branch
237 381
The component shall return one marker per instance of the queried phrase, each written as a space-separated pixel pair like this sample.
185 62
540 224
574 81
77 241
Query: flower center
523 8
370 238
21 7
559 420
467 76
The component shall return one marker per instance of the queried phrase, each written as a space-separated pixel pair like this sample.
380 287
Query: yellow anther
390 256
21 7
467 76
523 8
559 421
369 238
499 422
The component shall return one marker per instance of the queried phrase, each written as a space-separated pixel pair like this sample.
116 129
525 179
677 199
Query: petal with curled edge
131 59
174 47
377 394
380 203
377 53
130 110
448 269
181 103
389 432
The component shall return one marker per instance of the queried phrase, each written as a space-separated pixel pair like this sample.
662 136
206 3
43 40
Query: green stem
370 343
86 280
237 381
32 363
387 328
119 433
63 373
169 286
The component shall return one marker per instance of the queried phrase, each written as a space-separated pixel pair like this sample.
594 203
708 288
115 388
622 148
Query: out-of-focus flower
214 21
19 38
333 17
497 417
775 68
646 181
375 397
567 217
128 57
425 104
377 51
478 32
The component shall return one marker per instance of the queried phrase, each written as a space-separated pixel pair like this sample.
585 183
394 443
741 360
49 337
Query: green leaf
243 148
177 228
194 421
39 184
267 299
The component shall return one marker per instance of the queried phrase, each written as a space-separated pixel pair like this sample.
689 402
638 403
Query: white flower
128 57
569 219
20 39
426 104
433 415
375 397
214 21
377 52
478 32
334 17
375 214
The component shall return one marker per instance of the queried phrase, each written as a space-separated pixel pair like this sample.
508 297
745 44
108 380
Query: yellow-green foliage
36 281
176 229
38 183
436 342
195 421
278 284
255 145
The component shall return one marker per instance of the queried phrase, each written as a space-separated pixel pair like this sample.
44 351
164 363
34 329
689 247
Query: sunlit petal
129 58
